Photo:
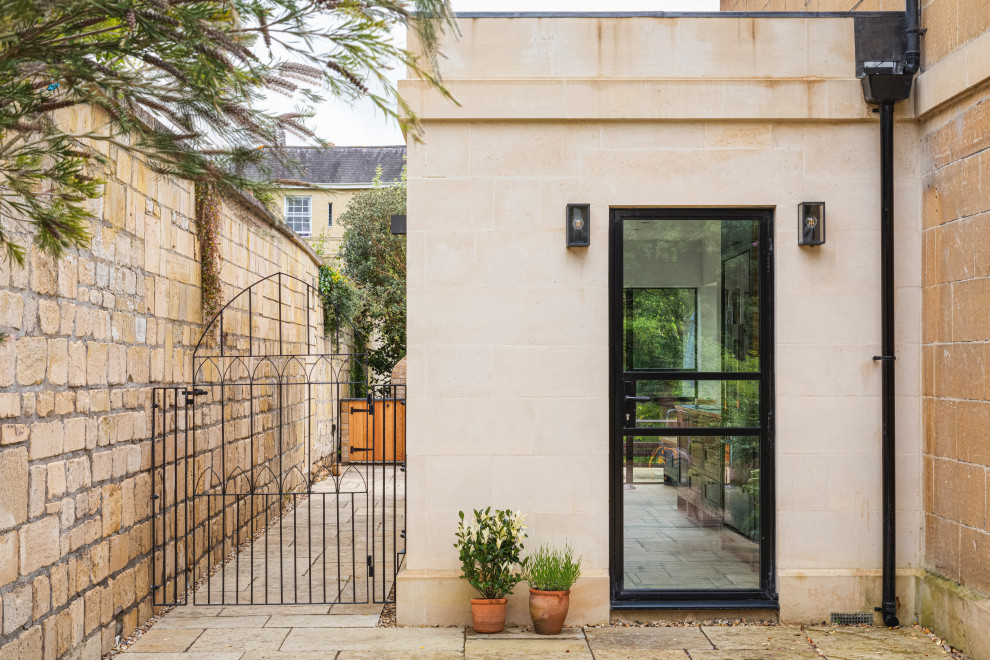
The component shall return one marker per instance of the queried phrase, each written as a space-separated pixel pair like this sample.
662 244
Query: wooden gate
376 428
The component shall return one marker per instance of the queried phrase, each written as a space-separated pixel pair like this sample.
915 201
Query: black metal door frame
764 597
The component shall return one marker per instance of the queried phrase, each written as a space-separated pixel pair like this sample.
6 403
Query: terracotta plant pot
548 610
488 614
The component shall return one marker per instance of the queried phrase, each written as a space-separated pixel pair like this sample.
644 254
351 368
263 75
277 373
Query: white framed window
299 214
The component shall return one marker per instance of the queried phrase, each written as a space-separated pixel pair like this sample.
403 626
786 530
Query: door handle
639 399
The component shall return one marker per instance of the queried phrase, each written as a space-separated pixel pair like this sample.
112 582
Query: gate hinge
371 566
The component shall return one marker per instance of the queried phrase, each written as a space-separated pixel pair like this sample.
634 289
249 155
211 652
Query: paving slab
678 654
399 655
547 647
758 637
288 655
862 642
323 621
515 632
272 610
241 639
195 610
363 608
756 654
374 639
211 655
170 623
646 639
165 641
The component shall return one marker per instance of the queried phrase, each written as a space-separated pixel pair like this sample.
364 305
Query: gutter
888 56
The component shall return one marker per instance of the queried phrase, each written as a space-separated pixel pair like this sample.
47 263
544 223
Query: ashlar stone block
32 359
40 544
13 487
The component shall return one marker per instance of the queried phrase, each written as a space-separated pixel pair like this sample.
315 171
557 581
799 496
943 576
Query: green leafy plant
550 569
340 302
375 260
490 545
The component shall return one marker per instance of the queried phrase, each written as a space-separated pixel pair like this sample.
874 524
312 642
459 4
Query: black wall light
578 225
811 223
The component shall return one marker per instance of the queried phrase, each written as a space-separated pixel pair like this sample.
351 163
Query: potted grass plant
550 573
490 547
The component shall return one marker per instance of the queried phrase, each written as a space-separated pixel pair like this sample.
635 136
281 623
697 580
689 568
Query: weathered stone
42 590
27 645
56 479
58 361
13 487
8 558
646 638
75 434
49 316
8 367
11 434
40 544
45 403
96 364
16 608
11 310
77 364
77 474
111 509
46 440
32 359
10 403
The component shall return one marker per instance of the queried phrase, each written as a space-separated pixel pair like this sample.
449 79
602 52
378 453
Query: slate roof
341 165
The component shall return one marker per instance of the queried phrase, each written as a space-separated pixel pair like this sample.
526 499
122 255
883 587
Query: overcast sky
361 124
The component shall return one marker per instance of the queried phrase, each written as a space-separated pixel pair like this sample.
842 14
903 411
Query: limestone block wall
812 5
508 330
90 335
954 103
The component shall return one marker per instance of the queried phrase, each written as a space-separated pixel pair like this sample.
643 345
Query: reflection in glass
691 511
691 294
691 306
697 403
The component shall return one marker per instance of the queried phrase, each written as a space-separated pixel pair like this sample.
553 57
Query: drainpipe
885 83
888 606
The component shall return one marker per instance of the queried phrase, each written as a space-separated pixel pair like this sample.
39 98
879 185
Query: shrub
490 546
549 569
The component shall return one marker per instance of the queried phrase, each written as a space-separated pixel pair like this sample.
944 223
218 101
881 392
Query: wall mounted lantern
578 225
811 223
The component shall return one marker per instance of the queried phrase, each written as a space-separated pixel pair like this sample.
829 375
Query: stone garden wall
90 336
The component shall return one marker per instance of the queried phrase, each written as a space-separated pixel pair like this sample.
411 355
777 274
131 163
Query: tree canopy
375 260
179 83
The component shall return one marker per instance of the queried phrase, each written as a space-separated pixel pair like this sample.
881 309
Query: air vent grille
852 618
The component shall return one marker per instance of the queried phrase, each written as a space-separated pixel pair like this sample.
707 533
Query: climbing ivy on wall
209 210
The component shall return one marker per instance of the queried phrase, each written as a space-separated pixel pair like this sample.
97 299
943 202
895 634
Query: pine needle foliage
178 84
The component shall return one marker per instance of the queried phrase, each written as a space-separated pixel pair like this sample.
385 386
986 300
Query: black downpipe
888 607
912 52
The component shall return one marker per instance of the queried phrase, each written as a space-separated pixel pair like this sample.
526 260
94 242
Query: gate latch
371 566
189 394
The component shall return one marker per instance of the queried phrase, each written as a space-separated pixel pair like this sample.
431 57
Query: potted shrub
550 573
490 545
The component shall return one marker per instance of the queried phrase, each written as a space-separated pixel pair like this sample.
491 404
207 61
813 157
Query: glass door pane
691 408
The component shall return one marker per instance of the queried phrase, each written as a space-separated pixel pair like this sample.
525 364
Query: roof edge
675 14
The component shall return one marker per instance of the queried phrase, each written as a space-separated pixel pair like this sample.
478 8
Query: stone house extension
90 336
678 132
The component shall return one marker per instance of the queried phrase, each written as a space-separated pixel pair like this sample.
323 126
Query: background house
340 173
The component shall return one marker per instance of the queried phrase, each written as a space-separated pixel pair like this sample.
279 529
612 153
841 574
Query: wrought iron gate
255 498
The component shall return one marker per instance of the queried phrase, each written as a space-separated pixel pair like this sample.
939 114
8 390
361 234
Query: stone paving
229 634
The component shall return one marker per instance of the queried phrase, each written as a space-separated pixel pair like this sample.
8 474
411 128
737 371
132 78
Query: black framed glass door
691 460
